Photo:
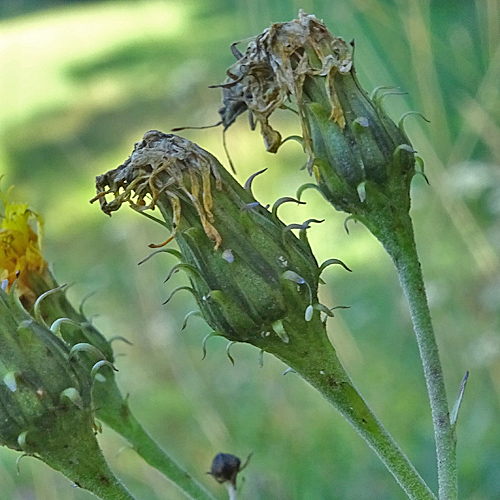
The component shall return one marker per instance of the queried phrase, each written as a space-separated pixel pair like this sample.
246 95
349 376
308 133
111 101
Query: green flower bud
46 401
355 150
41 388
249 273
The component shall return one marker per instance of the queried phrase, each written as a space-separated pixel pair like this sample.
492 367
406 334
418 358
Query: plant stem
117 415
83 462
395 232
231 490
313 357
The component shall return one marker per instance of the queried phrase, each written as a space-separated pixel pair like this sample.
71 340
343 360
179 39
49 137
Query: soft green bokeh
82 81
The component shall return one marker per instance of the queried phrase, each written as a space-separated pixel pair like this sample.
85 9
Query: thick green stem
313 357
81 462
395 232
117 415
103 484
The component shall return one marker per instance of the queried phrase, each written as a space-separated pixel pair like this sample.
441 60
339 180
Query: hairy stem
313 357
395 232
231 490
84 464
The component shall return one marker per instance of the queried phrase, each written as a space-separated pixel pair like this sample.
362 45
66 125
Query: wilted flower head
274 68
346 134
249 272
164 164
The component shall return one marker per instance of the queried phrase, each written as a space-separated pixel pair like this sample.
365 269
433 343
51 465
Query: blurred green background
82 81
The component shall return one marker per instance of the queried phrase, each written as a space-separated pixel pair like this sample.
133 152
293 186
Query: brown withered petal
274 67
136 180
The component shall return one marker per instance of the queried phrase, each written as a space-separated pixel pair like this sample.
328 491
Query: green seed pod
238 255
354 148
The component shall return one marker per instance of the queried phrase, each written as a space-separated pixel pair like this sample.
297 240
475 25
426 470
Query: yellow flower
20 245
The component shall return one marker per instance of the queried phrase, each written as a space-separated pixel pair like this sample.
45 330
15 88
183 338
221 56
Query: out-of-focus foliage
82 81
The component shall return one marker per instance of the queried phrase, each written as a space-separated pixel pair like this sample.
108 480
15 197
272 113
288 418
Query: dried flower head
274 68
163 164
346 134
249 273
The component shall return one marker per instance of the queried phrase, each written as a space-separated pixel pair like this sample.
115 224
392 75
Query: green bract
248 271
42 392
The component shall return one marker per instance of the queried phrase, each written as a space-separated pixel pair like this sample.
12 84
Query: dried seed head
274 67
236 253
163 164
347 136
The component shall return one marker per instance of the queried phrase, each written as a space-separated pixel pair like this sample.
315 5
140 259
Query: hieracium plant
255 279
57 373
362 162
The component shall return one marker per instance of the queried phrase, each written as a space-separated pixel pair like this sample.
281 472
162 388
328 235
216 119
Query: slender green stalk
102 483
117 415
82 462
313 357
395 231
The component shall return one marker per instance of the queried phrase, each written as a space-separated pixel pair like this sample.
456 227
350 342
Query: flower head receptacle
251 276
28 278
358 155
38 379
22 263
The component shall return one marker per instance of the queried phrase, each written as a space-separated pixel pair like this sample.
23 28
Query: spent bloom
352 145
250 275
